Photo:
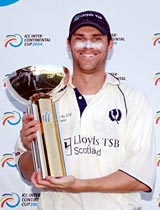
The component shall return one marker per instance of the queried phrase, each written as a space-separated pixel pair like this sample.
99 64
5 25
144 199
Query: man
109 126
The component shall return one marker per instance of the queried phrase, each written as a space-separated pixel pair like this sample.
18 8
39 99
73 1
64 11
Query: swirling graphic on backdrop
12 118
7 2
11 200
14 40
8 159
158 160
156 78
157 117
156 39
158 201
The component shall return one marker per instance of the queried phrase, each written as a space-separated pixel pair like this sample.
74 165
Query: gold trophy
39 87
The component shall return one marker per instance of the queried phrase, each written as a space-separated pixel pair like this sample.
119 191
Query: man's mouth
88 55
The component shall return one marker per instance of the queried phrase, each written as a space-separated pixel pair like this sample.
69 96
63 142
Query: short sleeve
140 140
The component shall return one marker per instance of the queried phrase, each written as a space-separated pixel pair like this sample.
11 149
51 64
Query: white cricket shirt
113 132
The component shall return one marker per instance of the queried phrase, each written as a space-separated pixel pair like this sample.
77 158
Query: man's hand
28 131
27 135
56 184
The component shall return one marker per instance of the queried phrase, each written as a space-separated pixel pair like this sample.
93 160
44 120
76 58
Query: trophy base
48 148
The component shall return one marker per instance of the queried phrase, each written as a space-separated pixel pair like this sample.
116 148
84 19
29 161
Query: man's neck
88 84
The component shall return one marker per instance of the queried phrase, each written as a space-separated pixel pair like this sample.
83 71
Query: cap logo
86 15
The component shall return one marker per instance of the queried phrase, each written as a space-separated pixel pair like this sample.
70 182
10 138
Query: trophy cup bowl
39 87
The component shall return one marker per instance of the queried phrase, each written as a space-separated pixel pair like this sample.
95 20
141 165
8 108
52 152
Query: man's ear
68 44
110 46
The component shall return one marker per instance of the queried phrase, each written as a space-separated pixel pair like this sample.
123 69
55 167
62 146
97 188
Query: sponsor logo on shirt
80 145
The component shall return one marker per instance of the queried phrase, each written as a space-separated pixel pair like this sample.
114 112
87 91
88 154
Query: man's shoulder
130 92
124 86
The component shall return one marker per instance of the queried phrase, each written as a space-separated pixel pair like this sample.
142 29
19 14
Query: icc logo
8 159
157 78
156 39
13 40
11 200
47 117
12 118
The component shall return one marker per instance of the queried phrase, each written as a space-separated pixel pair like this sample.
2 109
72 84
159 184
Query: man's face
89 48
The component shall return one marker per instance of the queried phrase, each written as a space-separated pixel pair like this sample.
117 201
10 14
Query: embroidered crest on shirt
115 115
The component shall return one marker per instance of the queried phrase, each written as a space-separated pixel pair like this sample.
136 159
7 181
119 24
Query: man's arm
117 182
25 164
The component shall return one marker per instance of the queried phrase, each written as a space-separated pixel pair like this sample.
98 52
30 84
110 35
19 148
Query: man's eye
79 38
97 39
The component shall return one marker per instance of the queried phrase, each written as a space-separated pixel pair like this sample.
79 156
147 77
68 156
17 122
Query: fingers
40 183
28 131
27 118
62 182
35 181
56 184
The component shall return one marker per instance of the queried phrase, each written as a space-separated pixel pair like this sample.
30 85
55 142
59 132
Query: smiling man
108 129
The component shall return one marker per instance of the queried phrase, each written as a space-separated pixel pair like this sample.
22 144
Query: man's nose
88 44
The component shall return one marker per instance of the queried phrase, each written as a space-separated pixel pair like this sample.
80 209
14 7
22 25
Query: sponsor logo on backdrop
117 38
12 200
157 78
29 199
8 159
157 117
156 39
7 2
11 118
26 40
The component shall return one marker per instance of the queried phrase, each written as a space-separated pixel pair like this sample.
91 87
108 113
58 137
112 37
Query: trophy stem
48 148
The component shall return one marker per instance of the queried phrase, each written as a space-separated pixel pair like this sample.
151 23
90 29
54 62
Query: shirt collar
110 79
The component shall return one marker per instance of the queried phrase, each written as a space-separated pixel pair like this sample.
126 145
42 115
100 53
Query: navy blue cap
89 18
